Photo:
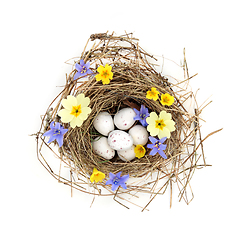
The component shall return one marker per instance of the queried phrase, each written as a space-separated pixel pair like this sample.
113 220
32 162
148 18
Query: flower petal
76 122
136 111
73 123
52 124
51 138
105 81
59 139
109 181
84 101
77 75
82 63
150 145
87 65
165 116
100 69
48 133
118 175
69 102
80 98
89 71
163 146
98 77
123 185
110 75
114 187
112 176
124 178
162 154
152 139
85 112
142 109
63 131
152 118
78 67
170 125
162 140
57 125
92 177
65 115
143 122
164 133
99 177
153 130
153 152
155 98
108 67
137 118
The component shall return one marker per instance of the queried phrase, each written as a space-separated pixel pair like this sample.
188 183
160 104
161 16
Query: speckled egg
100 146
123 119
139 135
119 140
103 123
127 155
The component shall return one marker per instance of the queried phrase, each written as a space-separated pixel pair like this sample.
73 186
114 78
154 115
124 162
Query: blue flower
57 131
116 180
157 146
82 69
142 115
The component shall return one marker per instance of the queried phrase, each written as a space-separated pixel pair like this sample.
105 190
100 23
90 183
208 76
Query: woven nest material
133 76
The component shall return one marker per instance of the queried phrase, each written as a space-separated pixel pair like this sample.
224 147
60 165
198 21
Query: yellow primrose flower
153 94
75 110
97 176
139 151
160 125
167 99
105 74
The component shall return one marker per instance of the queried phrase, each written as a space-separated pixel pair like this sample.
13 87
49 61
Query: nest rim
127 88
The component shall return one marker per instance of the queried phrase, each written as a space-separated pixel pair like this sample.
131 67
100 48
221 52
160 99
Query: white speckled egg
103 123
124 118
119 140
100 146
127 155
139 135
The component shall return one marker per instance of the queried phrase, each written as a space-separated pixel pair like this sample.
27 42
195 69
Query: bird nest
133 76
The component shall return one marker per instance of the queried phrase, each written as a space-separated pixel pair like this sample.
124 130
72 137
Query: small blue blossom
157 146
57 131
116 180
82 69
142 115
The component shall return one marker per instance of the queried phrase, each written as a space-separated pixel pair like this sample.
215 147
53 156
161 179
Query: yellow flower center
105 74
56 132
84 69
76 110
97 176
152 94
141 149
166 99
160 124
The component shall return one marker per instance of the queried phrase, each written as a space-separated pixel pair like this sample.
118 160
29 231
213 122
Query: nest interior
133 76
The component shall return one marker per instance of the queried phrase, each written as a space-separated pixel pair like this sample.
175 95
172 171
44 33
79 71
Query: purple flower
82 69
57 131
157 146
116 180
142 115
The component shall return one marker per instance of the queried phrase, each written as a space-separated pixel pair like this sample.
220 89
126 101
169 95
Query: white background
37 37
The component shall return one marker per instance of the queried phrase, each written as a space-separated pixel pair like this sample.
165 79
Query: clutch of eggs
119 140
